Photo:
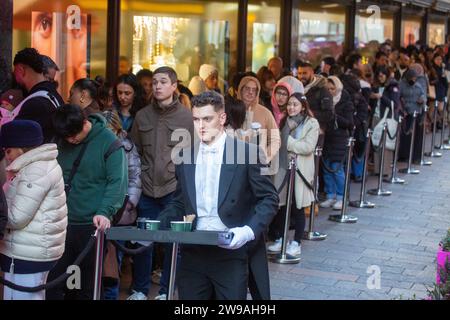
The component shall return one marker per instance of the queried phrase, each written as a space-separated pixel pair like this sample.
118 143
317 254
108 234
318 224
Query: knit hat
13 96
21 134
411 73
197 85
206 70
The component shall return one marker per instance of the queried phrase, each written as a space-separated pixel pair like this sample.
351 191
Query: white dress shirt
207 178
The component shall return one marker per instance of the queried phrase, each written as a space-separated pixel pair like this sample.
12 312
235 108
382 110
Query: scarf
292 123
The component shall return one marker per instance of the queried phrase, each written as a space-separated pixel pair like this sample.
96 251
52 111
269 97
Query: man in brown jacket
152 132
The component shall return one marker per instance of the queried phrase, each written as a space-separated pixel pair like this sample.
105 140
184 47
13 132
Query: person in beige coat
299 136
37 212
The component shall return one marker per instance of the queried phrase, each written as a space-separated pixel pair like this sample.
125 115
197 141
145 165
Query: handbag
391 128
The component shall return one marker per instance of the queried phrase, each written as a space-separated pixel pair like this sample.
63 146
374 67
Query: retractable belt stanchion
310 234
99 246
363 203
380 191
443 145
343 217
394 179
433 153
283 257
424 162
410 169
173 265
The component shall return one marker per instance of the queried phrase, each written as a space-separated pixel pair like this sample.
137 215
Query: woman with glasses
280 96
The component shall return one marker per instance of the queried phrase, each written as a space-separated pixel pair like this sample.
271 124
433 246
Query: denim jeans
142 263
357 166
334 181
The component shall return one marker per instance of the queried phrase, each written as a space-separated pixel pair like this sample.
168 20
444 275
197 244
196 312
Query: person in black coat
335 147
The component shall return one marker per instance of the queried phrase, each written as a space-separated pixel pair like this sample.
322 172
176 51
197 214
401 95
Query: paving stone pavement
400 236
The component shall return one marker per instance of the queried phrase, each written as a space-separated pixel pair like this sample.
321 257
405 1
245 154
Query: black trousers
405 140
77 239
212 273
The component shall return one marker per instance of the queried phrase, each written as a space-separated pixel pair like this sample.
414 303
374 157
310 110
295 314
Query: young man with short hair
95 190
226 191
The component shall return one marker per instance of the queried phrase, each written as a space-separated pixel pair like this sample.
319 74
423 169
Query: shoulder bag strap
75 166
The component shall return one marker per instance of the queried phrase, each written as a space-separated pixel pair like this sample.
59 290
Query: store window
180 34
72 33
436 34
410 31
371 30
263 32
321 30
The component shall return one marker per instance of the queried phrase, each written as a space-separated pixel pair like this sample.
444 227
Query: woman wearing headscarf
280 96
335 145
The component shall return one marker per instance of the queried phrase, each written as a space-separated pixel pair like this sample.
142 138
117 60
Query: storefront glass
321 30
71 32
370 29
180 34
410 31
436 34
263 32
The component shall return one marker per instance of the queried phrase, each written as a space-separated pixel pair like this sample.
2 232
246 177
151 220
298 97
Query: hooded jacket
270 135
99 185
40 109
320 101
277 112
37 208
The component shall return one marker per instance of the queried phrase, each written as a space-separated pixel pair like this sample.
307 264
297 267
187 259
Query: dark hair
352 59
30 57
305 104
68 120
379 54
144 73
264 74
236 112
237 79
303 64
88 85
329 61
336 70
209 97
131 80
49 64
169 71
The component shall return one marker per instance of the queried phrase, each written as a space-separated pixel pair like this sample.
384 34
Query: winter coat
336 138
303 148
321 102
440 83
37 210
390 94
410 95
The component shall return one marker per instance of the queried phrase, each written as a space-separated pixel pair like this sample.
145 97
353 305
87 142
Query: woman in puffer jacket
111 278
37 212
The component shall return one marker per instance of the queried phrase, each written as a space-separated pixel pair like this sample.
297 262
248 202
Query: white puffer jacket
37 210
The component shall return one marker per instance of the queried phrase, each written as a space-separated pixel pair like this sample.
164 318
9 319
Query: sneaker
294 249
161 297
276 246
327 203
337 205
137 296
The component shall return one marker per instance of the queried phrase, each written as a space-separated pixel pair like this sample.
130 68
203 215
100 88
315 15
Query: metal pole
283 257
310 234
343 217
379 191
394 179
424 162
410 169
173 271
362 203
443 145
433 153
99 245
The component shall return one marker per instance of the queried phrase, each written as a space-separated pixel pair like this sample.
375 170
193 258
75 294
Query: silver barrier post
443 145
283 257
99 246
433 153
424 162
394 179
343 217
379 191
173 268
310 234
363 203
410 169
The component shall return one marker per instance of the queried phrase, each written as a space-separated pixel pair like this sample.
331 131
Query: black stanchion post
433 153
394 179
443 145
410 169
311 234
98 264
363 203
382 147
343 217
283 257
424 162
